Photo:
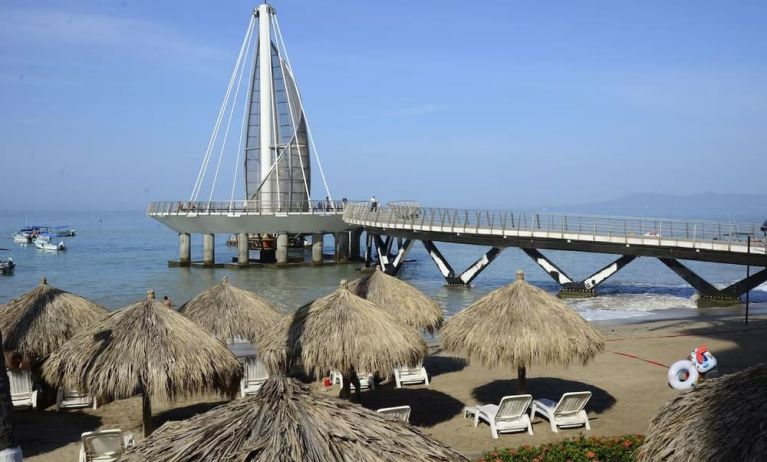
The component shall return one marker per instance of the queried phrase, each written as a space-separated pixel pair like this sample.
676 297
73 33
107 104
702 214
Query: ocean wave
621 306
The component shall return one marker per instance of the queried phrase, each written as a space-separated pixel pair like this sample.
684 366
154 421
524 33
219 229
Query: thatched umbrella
521 325
341 331
40 321
229 312
146 349
720 420
405 301
284 422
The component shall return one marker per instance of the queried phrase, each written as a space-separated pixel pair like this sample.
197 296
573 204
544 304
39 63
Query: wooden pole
146 413
521 380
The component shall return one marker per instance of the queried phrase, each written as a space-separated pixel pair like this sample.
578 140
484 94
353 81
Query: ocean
117 256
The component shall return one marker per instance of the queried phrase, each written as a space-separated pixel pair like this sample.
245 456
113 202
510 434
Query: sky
515 104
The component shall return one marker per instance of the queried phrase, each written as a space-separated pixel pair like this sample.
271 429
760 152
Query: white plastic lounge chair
71 399
567 413
255 375
404 375
510 415
104 445
396 413
22 394
366 379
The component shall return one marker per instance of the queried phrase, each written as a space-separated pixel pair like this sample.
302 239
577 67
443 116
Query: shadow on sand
428 407
437 365
39 432
545 387
183 413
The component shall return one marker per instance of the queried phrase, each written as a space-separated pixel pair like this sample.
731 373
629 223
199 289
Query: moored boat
43 243
7 266
20 238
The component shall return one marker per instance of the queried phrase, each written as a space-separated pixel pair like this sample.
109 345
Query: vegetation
581 449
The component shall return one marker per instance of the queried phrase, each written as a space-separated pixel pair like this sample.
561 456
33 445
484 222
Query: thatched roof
521 325
229 312
40 321
340 331
284 422
144 348
720 420
407 303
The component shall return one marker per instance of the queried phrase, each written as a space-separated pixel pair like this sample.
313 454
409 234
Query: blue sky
485 104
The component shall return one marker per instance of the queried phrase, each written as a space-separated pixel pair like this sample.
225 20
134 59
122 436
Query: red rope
641 359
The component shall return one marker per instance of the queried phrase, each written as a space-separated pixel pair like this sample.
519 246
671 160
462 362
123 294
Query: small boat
7 266
20 238
44 244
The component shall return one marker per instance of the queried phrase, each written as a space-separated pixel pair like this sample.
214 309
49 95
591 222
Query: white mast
266 104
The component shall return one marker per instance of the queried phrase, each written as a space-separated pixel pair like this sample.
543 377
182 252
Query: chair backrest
21 382
104 443
572 403
396 413
511 407
255 371
407 370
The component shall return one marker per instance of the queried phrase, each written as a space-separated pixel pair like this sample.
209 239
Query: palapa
285 422
520 325
146 349
229 312
40 321
341 331
405 301
720 420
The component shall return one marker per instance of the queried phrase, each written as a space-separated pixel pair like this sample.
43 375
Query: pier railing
254 207
621 230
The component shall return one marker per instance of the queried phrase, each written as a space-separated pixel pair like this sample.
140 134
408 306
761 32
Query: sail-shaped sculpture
277 167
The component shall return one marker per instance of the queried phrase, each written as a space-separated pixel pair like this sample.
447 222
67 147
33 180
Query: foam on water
622 306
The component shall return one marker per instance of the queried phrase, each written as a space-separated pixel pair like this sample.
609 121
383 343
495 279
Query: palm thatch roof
341 331
40 321
405 301
229 312
720 420
521 325
284 422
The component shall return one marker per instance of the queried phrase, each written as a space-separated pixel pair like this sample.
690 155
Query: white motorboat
20 238
44 244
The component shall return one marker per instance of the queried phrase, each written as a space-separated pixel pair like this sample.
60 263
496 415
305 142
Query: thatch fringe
229 312
521 325
284 422
144 348
40 321
407 303
340 331
720 420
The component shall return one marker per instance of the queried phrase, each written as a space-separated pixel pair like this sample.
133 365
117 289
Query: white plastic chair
255 375
401 413
22 394
567 413
510 415
404 375
72 399
366 379
104 445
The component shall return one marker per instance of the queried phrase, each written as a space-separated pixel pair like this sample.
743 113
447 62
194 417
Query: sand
628 388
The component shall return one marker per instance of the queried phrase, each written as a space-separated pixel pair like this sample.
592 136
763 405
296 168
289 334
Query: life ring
682 375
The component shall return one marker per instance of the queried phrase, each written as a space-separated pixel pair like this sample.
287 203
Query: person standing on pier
373 204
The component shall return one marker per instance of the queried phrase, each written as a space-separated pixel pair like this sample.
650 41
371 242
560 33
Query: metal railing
620 230
253 207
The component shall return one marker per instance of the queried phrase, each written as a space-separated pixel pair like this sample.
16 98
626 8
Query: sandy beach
628 382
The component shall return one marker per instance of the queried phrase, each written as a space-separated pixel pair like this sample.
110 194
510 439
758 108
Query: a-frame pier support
709 295
468 275
388 263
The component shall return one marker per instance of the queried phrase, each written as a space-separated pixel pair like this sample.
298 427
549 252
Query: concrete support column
354 244
243 249
208 249
342 246
368 249
282 248
184 249
317 248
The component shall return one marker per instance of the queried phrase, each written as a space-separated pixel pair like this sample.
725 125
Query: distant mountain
706 206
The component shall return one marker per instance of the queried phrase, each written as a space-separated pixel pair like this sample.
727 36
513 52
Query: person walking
373 204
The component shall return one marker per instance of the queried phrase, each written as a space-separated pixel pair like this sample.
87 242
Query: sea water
117 256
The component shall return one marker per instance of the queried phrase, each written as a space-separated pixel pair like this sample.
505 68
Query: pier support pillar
342 247
184 249
368 249
243 249
208 249
354 244
468 275
317 239
282 248
710 296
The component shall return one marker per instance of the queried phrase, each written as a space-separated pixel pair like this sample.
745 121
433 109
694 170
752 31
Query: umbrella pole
146 413
521 380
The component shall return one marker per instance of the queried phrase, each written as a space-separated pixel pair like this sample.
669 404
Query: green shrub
581 449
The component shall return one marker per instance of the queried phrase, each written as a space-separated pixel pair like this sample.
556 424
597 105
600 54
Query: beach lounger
22 394
255 375
510 415
104 445
72 399
396 413
366 379
409 375
568 412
